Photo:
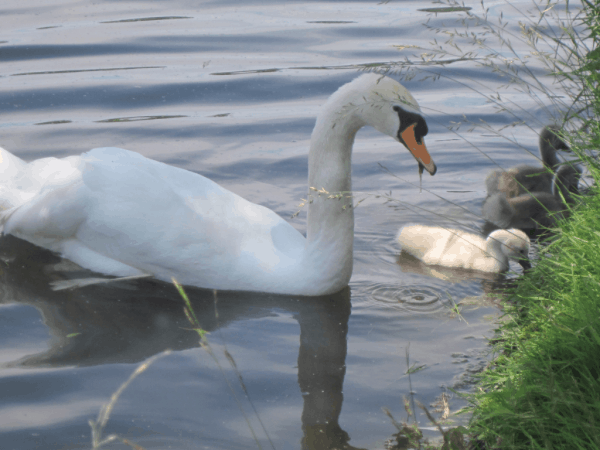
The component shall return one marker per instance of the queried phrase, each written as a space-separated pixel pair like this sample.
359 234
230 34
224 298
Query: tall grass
98 425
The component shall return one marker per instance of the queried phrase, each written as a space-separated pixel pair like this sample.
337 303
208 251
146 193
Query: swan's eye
421 129
409 118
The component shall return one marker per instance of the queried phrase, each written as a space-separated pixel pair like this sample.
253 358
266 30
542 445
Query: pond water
230 89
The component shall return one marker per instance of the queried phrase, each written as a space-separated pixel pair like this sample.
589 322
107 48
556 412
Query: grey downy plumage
525 179
535 210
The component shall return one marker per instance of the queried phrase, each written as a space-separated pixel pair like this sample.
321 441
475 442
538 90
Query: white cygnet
460 249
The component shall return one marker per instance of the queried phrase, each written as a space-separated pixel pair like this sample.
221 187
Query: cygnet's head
514 244
549 138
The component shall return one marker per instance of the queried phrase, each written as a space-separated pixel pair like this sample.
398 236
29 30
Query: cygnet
457 248
524 179
535 210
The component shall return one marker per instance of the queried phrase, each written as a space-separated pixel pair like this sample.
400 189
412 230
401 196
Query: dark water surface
230 89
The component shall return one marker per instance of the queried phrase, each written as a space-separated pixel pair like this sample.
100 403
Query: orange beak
419 151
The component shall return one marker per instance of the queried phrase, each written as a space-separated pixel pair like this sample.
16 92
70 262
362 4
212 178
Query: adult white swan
115 212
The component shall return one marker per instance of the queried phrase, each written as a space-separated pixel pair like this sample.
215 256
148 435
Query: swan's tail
498 211
11 168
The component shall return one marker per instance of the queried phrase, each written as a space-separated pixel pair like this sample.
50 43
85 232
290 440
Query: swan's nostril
431 168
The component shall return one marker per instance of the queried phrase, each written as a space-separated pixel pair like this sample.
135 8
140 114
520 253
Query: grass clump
543 391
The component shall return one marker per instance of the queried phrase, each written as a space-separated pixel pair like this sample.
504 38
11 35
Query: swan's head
376 100
550 141
514 244
398 115
411 132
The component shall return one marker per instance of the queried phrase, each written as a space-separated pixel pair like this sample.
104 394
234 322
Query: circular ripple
416 299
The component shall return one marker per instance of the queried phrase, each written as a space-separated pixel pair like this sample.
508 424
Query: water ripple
411 298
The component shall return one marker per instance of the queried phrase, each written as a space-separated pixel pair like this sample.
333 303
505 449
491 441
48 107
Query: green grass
543 390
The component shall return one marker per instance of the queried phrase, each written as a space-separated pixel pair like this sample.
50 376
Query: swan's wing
124 214
192 228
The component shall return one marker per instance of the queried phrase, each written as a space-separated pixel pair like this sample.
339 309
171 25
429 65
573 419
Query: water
230 90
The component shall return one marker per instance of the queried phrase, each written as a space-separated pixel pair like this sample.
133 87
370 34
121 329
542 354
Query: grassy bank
543 390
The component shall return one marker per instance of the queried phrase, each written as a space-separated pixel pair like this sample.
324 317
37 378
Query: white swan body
116 212
534 210
459 249
524 179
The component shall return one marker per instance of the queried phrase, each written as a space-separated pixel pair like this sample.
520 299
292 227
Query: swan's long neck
494 250
330 232
548 154
564 182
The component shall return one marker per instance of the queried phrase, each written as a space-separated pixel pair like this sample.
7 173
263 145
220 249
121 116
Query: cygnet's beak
525 264
418 150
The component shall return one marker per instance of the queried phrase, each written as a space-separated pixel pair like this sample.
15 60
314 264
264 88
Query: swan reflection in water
128 323
492 284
